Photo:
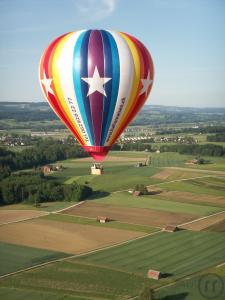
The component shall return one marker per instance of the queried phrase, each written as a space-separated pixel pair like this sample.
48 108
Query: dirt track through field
129 215
63 236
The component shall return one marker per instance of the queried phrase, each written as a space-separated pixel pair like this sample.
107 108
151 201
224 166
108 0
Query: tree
147 294
142 188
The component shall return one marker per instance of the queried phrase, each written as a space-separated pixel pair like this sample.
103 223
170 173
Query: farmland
189 288
127 246
63 236
16 257
119 272
189 252
148 217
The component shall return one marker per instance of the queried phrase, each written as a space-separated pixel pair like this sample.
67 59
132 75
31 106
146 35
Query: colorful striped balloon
96 81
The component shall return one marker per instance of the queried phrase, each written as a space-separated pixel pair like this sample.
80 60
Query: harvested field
62 236
130 215
163 174
173 174
198 170
205 223
113 159
192 198
8 216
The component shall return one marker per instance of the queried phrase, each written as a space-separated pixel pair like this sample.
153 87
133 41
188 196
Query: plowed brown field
129 215
8 216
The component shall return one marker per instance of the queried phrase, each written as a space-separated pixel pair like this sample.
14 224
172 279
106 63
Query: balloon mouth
97 152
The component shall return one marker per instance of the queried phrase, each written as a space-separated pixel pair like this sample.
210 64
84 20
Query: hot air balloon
96 81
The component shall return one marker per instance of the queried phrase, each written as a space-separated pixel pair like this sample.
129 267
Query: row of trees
220 137
44 152
33 187
205 150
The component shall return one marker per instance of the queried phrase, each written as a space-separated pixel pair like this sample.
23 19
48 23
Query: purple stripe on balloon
96 59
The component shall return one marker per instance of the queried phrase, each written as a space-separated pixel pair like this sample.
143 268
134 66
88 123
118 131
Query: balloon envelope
96 81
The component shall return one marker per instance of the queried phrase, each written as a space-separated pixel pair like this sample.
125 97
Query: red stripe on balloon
53 100
148 67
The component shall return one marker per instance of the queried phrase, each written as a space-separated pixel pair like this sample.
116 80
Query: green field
120 272
189 289
127 200
176 254
207 186
80 172
15 257
72 280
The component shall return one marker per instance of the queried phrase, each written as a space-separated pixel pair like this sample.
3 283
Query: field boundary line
78 255
71 206
45 213
202 218
220 265
25 219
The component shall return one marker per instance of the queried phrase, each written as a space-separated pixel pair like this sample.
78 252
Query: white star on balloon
96 83
47 84
146 83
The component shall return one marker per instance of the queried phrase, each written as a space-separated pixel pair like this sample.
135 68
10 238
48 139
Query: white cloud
95 10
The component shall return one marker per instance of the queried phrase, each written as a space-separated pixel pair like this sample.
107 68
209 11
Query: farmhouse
170 228
102 219
137 193
192 162
47 169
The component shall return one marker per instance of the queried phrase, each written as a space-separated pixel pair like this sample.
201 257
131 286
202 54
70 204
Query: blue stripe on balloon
80 69
115 65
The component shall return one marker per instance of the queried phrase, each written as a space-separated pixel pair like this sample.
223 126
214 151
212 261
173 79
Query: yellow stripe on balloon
135 84
56 81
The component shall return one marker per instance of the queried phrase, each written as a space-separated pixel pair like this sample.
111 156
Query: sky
185 38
